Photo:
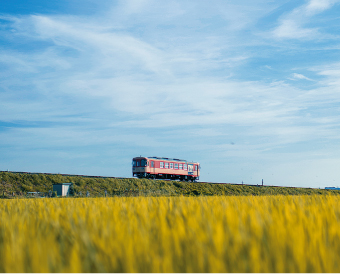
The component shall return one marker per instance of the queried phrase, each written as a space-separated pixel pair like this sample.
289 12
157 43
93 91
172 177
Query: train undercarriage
166 177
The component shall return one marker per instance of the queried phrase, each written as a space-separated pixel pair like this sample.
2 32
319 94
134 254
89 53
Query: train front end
140 167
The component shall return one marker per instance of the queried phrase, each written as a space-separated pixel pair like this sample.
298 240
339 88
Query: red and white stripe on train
165 168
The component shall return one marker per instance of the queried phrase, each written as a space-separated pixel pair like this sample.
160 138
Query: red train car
165 168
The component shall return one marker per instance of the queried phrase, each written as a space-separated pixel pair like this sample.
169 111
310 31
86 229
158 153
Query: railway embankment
19 184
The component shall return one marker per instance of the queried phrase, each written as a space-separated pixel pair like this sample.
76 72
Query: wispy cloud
134 77
297 76
294 25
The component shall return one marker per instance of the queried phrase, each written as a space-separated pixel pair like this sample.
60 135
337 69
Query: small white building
62 189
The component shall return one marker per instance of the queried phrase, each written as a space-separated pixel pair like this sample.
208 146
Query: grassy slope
21 183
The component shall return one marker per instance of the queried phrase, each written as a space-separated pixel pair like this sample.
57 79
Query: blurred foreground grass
171 234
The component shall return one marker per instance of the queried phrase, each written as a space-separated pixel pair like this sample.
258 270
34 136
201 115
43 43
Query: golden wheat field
171 234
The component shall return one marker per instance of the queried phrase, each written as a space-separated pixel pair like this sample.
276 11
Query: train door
190 169
152 167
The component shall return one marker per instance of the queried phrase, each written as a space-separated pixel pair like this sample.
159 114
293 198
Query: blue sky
250 89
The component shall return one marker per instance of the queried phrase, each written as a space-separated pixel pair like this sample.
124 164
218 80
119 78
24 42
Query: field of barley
171 234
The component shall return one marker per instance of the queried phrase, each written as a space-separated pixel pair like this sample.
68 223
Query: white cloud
292 29
293 24
113 71
297 76
317 6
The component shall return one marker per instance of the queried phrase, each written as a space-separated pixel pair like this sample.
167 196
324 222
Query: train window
171 165
166 165
176 166
143 162
180 166
137 164
195 168
185 166
134 163
161 164
152 164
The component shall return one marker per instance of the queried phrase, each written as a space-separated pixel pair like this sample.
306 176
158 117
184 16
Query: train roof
167 159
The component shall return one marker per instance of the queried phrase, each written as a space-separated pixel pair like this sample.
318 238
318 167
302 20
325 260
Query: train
165 168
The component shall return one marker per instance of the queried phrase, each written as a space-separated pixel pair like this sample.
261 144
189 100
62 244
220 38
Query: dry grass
171 234
21 183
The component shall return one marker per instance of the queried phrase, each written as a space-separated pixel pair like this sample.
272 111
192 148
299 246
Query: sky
250 89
